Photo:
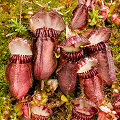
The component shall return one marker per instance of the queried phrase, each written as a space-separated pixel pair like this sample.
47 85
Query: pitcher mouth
72 56
86 68
51 23
20 58
83 109
98 38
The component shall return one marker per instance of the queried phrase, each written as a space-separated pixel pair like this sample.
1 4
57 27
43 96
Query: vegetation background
14 22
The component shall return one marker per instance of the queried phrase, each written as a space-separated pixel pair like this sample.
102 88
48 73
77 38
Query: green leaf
13 25
100 16
20 28
17 107
67 12
93 20
112 9
117 57
93 11
90 14
57 55
20 113
96 11
17 30
14 21
64 98
23 29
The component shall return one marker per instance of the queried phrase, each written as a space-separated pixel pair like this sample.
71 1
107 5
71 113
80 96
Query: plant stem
42 84
58 8
34 4
20 11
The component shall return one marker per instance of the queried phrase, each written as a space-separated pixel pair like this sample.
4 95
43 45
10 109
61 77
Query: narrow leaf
90 14
13 25
99 16
117 57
